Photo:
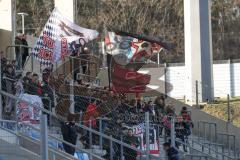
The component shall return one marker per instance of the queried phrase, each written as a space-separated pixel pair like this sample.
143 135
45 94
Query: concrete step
22 147
11 151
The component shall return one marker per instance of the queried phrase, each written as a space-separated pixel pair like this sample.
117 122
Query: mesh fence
86 120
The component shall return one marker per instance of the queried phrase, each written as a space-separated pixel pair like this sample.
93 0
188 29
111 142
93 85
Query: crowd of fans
133 113
120 120
15 83
117 122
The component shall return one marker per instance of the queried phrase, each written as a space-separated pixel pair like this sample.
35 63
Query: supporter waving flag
127 53
60 37
129 48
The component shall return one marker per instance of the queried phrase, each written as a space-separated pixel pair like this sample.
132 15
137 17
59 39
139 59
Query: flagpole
109 61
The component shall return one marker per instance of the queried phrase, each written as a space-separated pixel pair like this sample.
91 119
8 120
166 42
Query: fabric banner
128 55
127 49
26 112
127 81
60 37
139 131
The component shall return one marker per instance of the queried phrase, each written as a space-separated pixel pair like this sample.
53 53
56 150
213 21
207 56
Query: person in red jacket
90 118
35 87
91 115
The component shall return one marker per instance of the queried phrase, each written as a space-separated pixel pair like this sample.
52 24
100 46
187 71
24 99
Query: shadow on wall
5 40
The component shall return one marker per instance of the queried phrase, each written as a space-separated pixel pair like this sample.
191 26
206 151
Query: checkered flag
60 37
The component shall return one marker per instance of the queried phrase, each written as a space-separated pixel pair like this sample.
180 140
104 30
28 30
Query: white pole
104 54
147 126
172 132
1 104
23 24
13 12
72 109
44 137
23 21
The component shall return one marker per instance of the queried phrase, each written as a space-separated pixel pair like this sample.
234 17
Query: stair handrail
217 152
19 134
22 46
36 141
60 118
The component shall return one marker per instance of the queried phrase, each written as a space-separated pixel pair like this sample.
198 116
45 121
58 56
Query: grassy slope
219 110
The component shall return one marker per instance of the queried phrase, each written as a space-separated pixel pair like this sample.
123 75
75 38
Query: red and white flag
60 37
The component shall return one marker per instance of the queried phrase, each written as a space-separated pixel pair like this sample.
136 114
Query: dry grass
219 109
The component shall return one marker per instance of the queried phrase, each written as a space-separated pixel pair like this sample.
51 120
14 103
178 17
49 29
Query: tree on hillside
158 18
38 10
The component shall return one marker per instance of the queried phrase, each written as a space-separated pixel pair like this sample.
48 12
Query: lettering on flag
60 37
26 112
134 49
139 131
127 81
129 53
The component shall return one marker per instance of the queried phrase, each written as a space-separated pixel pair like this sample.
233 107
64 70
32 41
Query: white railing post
165 79
1 108
111 148
72 108
147 135
121 148
100 136
228 109
197 94
90 134
173 132
44 138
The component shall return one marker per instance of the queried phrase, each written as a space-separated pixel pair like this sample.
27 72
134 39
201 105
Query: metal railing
10 147
59 140
231 150
205 146
208 130
72 60
19 59
122 144
89 129
22 138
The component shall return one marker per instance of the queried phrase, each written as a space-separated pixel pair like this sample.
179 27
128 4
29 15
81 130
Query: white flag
60 37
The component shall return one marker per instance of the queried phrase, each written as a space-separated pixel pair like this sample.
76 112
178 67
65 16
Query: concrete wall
5 39
176 77
6 15
226 78
198 48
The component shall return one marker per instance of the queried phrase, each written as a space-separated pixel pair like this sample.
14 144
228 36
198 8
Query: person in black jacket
171 152
21 52
8 80
18 51
69 132
26 81
47 92
25 53
130 154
